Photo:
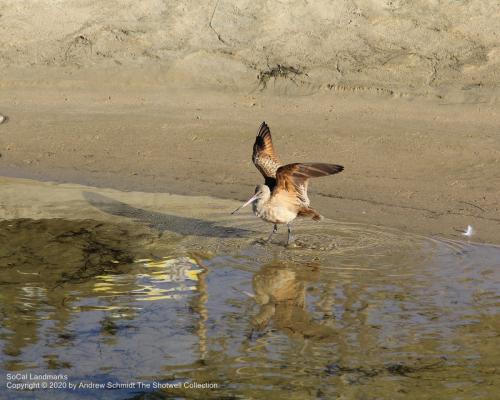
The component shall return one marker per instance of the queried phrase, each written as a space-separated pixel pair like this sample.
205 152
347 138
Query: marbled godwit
283 197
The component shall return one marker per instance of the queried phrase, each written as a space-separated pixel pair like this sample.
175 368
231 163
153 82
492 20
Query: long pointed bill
253 198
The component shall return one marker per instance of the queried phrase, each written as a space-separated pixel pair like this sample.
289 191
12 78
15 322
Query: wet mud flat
439 178
105 286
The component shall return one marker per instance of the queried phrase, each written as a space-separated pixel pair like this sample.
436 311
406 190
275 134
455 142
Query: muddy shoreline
149 286
418 165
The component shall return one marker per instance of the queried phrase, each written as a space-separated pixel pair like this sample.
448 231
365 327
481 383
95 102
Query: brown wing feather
292 178
309 212
264 157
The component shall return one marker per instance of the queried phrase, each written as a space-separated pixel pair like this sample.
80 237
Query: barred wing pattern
264 156
293 178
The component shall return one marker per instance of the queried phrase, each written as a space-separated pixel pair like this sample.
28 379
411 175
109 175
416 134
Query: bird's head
262 192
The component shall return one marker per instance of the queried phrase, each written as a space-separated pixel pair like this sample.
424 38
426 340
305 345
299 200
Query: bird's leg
290 236
275 230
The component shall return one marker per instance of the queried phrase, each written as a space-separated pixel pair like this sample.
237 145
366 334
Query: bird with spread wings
283 196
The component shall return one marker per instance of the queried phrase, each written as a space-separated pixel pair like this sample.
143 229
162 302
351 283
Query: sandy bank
420 166
166 96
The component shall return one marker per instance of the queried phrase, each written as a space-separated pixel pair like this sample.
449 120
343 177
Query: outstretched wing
264 157
293 178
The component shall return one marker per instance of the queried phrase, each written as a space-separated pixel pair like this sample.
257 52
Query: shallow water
351 312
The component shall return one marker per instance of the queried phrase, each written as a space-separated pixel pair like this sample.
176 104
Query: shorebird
283 196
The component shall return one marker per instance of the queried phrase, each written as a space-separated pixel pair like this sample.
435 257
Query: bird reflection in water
281 290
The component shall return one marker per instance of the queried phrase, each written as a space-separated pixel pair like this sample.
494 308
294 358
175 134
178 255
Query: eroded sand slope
443 48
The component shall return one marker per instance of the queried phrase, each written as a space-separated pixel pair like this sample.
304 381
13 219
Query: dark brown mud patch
60 251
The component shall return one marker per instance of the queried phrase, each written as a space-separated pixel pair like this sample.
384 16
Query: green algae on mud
60 251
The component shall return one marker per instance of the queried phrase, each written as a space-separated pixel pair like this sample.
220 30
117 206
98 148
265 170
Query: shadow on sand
163 222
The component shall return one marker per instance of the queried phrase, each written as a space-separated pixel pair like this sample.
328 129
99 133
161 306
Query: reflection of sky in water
134 326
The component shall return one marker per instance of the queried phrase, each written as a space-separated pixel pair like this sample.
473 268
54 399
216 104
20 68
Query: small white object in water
2 118
469 232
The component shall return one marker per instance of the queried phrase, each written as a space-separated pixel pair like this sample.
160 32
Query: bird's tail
309 212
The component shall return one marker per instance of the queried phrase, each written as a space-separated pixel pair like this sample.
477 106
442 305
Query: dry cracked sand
166 96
